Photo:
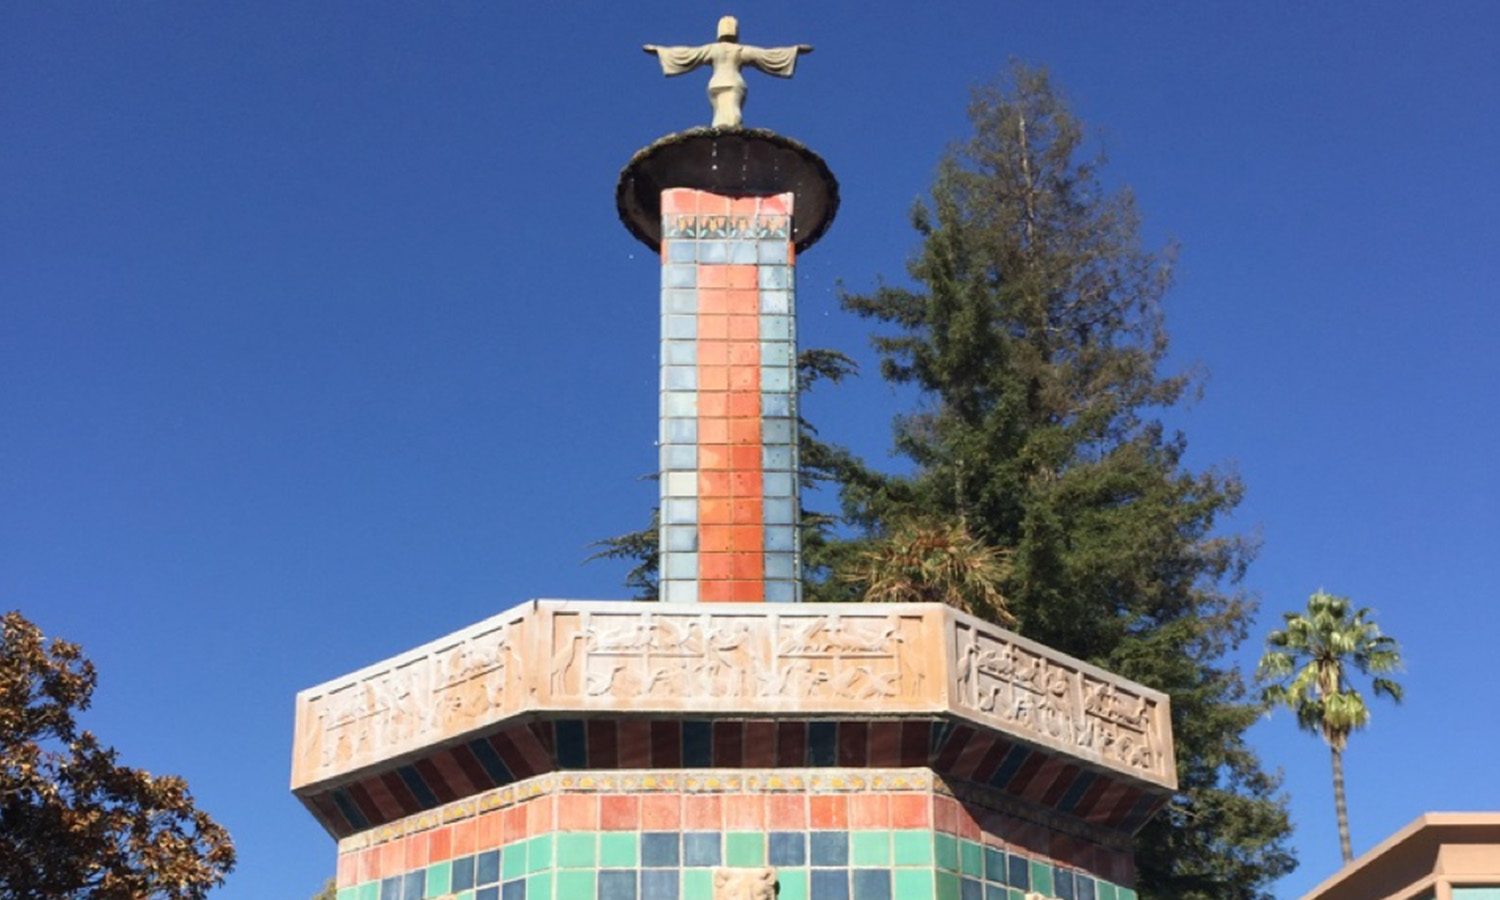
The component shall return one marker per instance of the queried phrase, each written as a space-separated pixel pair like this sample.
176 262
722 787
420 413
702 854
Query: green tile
347 893
539 886
913 884
574 884
870 848
576 850
744 848
369 891
1103 890
1125 893
464 895
439 876
910 848
696 883
538 855
971 858
621 850
793 884
1017 894
947 886
1041 878
945 852
513 861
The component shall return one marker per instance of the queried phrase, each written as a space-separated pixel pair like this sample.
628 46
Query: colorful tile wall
830 837
728 438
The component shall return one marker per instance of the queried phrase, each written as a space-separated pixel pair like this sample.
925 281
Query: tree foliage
1036 337
1308 666
74 824
923 561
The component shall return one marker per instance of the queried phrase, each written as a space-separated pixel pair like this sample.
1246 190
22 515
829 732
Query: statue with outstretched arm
726 89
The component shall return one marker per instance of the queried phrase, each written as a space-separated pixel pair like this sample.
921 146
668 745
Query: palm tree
925 560
1310 662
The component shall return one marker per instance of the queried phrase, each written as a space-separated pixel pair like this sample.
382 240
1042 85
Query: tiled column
728 400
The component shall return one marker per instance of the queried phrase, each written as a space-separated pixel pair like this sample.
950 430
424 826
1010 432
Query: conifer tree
1036 337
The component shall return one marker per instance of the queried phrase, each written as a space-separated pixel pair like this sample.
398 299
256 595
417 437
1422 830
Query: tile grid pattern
866 846
728 438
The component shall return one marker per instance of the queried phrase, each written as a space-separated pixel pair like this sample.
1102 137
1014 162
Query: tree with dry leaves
74 823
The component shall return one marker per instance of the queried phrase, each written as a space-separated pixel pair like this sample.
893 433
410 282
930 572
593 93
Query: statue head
729 29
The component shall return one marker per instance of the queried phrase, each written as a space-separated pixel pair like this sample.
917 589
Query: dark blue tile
493 892
1085 887
414 885
659 884
493 765
659 848
572 748
787 848
463 873
697 744
994 865
970 889
511 890
419 789
701 848
872 884
829 884
487 867
1076 790
390 888
830 848
1062 883
616 884
1020 872
822 743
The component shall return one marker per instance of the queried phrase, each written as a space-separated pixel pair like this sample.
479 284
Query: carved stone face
745 884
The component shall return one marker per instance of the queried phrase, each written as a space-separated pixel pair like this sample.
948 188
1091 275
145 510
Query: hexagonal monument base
622 750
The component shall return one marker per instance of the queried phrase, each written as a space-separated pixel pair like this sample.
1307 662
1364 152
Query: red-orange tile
715 484
440 844
745 484
712 378
712 204
661 812
713 301
744 404
713 431
416 851
463 837
743 302
703 812
968 825
945 815
713 352
744 378
348 870
715 591
369 864
778 205
747 538
392 857
745 566
713 404
744 812
513 825
747 591
716 566
744 328
714 275
539 815
911 811
744 353
714 456
619 812
679 200
870 811
712 328
743 430
715 512
715 539
741 277
490 831
578 812
745 512
829 811
742 457
744 206
787 812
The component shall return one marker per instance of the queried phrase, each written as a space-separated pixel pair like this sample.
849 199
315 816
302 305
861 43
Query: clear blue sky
319 337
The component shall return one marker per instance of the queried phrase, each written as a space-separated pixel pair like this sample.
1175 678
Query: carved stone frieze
756 883
562 659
